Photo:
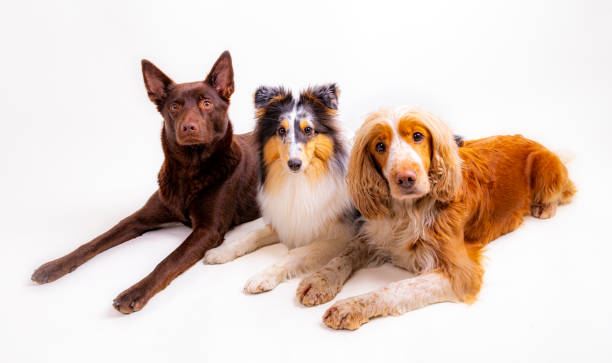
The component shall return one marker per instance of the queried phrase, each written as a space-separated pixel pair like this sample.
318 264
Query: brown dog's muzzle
191 132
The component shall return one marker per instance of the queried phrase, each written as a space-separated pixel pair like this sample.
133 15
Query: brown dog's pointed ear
156 83
221 76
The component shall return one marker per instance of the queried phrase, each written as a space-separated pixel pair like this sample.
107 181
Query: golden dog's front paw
346 314
543 211
316 289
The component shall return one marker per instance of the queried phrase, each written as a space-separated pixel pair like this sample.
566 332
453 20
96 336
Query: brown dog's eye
174 107
380 147
206 104
282 131
417 137
308 130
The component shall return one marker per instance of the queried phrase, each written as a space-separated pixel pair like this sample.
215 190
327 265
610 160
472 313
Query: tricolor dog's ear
327 94
264 95
156 83
221 76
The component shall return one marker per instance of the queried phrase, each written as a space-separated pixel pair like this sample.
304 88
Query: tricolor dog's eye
417 137
380 147
281 131
308 130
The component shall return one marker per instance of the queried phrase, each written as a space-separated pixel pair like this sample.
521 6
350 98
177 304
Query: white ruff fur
301 211
306 215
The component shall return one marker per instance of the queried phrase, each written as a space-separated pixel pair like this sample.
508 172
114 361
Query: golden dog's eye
282 131
308 130
417 137
206 104
380 147
174 107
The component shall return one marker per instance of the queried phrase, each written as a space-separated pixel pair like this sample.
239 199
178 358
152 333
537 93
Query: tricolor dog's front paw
348 314
261 283
219 255
316 289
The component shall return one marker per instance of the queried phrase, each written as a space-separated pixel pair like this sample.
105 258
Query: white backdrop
80 150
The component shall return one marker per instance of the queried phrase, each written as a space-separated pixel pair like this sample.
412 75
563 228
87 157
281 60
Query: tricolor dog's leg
241 240
298 261
393 299
325 284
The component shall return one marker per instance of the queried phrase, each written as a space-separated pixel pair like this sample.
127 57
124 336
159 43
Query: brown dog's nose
406 179
190 128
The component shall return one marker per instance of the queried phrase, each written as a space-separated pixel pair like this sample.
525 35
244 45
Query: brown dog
208 181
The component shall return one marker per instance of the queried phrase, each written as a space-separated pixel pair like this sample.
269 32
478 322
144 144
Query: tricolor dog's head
297 134
403 154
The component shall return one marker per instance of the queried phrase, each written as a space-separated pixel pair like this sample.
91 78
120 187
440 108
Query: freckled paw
315 290
344 315
218 255
51 271
543 211
260 283
131 300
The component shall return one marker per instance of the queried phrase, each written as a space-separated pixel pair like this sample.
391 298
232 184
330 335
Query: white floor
80 150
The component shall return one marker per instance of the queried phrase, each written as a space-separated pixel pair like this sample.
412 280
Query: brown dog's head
402 154
194 113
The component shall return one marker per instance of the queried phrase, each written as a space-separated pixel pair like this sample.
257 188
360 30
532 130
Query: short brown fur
207 181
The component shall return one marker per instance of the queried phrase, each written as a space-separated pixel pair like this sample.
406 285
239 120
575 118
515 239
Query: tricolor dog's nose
190 128
406 179
294 164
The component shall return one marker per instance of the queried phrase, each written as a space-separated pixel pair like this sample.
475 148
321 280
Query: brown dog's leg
150 216
186 255
326 283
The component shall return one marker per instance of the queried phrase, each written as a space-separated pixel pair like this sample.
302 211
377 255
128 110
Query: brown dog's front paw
52 271
316 289
346 314
131 300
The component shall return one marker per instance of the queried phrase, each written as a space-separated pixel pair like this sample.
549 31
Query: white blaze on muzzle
295 148
399 152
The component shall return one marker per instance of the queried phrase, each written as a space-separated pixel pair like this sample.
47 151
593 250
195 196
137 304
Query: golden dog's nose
406 179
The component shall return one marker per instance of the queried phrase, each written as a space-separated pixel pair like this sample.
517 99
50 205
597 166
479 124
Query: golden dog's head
403 154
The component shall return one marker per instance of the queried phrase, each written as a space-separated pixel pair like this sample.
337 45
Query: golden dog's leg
243 239
393 299
325 284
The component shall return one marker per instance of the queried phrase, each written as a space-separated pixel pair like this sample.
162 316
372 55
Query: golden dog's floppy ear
445 169
367 188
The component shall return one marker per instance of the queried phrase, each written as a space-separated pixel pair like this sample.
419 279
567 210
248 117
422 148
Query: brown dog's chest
183 184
